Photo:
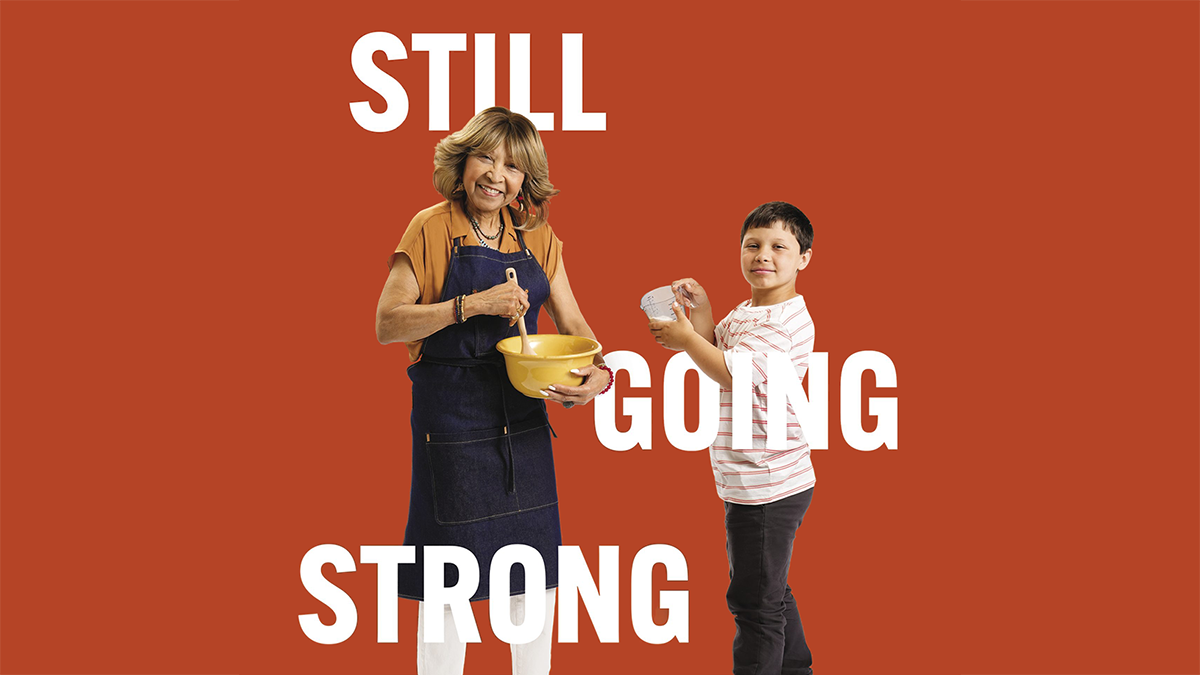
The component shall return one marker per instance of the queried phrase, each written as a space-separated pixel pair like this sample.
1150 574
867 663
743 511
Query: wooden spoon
526 348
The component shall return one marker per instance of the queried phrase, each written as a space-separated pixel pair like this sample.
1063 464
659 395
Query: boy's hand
673 334
681 334
689 293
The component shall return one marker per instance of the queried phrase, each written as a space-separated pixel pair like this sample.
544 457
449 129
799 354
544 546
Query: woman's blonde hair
485 132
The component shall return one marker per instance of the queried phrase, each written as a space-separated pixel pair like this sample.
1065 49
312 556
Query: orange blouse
428 241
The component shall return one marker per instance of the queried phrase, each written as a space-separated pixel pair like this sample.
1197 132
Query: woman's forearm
408 322
576 325
564 311
399 317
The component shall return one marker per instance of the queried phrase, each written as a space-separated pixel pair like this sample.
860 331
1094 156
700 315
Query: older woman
483 471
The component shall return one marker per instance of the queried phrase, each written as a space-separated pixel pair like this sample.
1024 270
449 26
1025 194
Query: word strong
783 391
439 46
575 584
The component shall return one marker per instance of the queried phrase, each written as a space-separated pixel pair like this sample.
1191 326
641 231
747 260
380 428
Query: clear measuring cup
657 303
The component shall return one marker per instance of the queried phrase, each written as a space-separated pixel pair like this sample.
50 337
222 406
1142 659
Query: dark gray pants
770 638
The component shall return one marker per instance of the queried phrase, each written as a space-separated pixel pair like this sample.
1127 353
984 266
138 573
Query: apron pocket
475 477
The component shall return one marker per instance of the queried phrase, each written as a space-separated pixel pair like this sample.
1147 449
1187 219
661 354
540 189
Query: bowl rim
561 357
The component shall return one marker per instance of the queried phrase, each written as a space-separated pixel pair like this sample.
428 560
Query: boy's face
771 257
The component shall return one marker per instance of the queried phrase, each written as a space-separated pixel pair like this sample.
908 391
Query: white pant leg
533 658
445 658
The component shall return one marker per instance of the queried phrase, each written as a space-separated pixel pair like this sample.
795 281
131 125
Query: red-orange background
1005 201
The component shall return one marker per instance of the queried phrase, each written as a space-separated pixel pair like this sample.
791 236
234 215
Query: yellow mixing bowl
555 357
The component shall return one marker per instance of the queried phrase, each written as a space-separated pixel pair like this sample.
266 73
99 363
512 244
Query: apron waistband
498 361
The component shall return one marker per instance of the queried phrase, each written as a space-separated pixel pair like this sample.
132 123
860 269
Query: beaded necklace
483 238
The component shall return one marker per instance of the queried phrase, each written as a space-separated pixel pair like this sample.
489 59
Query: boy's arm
680 334
702 323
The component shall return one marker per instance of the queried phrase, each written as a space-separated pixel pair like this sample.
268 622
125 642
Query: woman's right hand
694 297
507 299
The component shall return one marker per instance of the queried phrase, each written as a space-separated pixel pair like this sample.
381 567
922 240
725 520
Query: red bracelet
611 377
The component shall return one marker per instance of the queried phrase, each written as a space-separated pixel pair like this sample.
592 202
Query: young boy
766 493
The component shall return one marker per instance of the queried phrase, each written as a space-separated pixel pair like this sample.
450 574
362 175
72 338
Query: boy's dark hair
793 220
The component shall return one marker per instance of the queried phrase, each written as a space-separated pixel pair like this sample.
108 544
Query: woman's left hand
594 381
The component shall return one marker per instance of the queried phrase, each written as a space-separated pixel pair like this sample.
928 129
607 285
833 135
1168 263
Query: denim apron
482 467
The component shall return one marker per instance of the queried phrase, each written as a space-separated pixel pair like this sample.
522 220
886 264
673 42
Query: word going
439 46
574 582
783 388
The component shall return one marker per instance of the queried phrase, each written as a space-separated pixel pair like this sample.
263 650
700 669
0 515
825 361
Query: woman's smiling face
491 181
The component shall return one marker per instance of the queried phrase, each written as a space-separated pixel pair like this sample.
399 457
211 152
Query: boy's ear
805 258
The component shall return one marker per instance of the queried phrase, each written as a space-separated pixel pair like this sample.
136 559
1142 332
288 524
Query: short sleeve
553 257
546 248
413 245
760 341
789 330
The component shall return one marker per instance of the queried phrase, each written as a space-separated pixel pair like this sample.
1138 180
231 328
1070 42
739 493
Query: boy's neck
773 296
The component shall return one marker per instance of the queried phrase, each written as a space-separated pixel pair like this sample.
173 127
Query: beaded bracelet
458 309
611 377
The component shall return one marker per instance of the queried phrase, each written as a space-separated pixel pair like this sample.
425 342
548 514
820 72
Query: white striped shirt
756 475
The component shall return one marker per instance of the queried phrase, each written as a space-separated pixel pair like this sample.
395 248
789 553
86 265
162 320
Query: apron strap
521 240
